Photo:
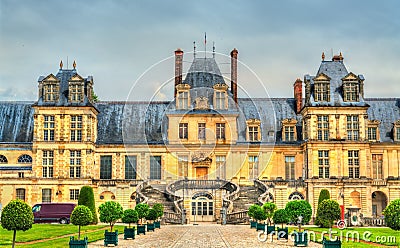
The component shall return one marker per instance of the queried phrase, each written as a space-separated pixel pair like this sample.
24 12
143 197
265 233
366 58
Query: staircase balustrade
141 198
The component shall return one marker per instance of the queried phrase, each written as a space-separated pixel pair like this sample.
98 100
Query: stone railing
233 189
115 182
140 197
171 217
263 198
237 217
370 221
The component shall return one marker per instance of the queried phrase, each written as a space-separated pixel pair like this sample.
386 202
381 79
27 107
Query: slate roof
204 72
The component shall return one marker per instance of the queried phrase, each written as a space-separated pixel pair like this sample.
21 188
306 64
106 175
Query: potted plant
130 216
260 215
160 212
281 217
250 213
81 216
142 210
16 216
269 209
299 211
151 216
110 212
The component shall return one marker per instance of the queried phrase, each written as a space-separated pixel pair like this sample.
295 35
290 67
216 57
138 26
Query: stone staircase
248 196
156 194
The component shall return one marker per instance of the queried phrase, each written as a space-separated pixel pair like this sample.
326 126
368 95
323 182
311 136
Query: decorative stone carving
201 103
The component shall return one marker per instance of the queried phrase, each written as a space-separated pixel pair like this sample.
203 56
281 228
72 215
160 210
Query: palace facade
206 151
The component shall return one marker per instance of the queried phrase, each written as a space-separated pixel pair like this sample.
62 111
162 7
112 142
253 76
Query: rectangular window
76 128
47 163
75 93
155 167
322 91
220 132
183 166
289 167
183 131
220 100
372 134
351 92
323 164
46 195
183 100
305 129
377 166
50 93
398 133
130 167
74 164
74 194
289 133
20 194
352 127
221 168
48 128
323 127
106 167
253 133
354 164
253 167
201 131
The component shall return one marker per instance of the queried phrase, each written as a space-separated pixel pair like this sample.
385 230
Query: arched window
296 196
25 159
3 159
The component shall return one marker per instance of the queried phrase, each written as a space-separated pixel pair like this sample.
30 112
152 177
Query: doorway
202 207
202 173
379 203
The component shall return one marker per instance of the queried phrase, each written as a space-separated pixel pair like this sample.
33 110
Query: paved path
207 235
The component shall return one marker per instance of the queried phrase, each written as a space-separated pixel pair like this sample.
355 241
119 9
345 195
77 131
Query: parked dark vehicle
52 212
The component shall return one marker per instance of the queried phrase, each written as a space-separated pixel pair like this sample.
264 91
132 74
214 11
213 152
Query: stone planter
74 243
129 233
283 233
150 227
141 229
110 238
326 243
157 224
253 224
300 239
271 229
260 226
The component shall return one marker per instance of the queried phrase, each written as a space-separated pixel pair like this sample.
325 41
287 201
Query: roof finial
74 65
61 65
213 49
194 49
205 44
340 56
323 56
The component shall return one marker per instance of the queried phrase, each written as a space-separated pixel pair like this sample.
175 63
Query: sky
118 41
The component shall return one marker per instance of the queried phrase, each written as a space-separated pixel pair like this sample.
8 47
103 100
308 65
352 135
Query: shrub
280 217
323 195
328 212
130 216
269 209
152 214
160 209
86 198
299 210
142 209
17 216
392 215
110 212
251 210
259 214
81 216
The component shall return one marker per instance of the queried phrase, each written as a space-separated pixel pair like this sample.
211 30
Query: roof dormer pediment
321 77
350 77
76 77
51 77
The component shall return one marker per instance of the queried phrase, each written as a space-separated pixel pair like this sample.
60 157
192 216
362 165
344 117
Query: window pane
105 167
130 167
155 167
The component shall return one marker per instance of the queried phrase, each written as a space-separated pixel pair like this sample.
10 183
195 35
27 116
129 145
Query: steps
248 196
156 194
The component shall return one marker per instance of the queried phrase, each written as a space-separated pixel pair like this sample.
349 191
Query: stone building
206 151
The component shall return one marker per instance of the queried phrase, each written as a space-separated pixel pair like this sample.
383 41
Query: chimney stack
298 95
178 68
234 54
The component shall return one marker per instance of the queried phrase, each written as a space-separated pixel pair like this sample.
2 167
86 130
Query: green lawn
46 231
379 236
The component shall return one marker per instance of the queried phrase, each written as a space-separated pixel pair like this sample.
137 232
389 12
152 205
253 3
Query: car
52 212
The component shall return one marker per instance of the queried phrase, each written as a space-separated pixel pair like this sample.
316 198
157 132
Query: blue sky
117 41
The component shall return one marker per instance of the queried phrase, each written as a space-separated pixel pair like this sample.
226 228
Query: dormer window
322 88
183 96
372 130
289 130
220 96
76 92
351 88
253 130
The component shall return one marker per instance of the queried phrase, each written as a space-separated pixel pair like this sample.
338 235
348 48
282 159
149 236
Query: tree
110 212
280 217
269 209
160 209
142 209
130 216
259 213
152 214
95 97
251 210
81 216
323 195
392 215
328 212
17 216
86 198
299 211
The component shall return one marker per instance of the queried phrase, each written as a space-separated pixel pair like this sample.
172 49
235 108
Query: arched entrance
379 203
202 207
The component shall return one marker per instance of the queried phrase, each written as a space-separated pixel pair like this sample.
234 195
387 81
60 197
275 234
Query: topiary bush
17 216
323 195
259 214
299 212
280 217
392 215
152 214
142 209
81 216
329 212
160 209
269 209
130 216
251 210
86 198
110 212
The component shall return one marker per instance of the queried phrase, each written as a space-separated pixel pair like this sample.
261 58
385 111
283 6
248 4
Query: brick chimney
234 55
298 95
178 68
